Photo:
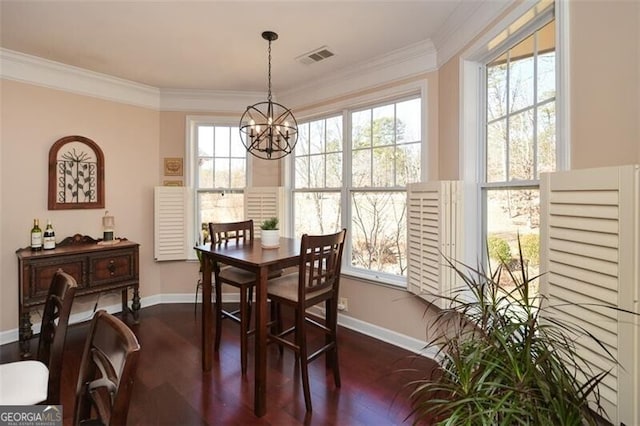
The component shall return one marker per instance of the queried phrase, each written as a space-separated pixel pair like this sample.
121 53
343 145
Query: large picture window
357 179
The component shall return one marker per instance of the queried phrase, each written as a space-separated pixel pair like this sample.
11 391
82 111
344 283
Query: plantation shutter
590 258
172 235
434 230
261 203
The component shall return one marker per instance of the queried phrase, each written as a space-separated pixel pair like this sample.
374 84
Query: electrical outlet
343 304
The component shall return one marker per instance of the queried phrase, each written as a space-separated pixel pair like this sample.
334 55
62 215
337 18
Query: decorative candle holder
108 226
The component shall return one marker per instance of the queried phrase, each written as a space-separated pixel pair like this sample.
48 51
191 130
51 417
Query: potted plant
270 233
504 359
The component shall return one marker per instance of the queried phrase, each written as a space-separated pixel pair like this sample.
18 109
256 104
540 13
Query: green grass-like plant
504 359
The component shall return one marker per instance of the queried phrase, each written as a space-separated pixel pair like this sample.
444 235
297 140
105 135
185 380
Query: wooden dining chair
38 381
235 233
107 372
316 281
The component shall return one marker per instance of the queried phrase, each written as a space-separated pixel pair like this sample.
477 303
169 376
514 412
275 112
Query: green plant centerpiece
269 224
270 233
503 357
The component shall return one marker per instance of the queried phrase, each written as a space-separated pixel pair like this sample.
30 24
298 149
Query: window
218 172
520 143
318 177
357 179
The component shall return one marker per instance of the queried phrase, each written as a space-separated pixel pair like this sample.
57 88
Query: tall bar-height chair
245 281
107 372
38 381
317 280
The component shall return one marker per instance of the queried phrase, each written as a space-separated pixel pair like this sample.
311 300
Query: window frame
399 93
191 168
512 29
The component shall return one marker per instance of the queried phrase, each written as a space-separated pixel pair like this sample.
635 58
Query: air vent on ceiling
316 55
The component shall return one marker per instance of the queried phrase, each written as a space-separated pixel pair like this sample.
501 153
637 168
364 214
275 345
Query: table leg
207 313
125 303
260 388
135 305
25 334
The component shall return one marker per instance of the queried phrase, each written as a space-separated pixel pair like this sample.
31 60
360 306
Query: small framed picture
173 166
172 183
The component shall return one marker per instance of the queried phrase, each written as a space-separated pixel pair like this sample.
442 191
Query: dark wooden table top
254 255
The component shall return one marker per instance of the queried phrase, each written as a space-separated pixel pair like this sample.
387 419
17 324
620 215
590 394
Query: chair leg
276 320
218 314
249 304
331 309
244 327
301 342
195 301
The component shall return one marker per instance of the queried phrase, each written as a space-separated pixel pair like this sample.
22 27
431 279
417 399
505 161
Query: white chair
33 382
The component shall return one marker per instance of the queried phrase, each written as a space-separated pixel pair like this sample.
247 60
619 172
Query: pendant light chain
269 95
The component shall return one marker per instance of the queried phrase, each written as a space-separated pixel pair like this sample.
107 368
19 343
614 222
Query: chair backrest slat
223 233
320 262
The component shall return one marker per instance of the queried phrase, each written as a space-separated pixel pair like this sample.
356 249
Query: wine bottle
36 236
49 240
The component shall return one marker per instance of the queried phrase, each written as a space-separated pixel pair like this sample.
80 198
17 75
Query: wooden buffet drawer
38 275
113 267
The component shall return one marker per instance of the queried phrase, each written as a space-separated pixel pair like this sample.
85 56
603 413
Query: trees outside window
359 178
219 173
520 140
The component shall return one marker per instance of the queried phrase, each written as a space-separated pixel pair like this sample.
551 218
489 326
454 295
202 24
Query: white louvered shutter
434 230
590 258
172 235
261 203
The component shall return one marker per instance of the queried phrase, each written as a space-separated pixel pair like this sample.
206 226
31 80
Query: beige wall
33 118
449 116
605 83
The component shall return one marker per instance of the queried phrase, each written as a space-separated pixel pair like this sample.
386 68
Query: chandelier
268 129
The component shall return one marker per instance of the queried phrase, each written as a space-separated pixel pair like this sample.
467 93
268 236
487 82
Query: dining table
250 256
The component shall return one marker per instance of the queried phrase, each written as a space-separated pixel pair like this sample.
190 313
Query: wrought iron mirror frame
92 185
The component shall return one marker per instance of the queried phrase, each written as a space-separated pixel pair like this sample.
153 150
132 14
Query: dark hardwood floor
171 389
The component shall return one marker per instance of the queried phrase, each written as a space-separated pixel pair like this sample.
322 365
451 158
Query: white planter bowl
270 238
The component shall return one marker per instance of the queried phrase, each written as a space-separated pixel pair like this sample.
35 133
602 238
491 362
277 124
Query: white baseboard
384 334
389 336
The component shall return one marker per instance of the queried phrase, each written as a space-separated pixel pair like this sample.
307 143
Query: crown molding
55 75
468 20
400 64
193 100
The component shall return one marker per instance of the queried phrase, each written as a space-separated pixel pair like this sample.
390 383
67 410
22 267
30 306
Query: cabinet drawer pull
111 267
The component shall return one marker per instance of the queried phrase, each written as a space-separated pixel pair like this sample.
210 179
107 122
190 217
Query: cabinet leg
25 334
135 306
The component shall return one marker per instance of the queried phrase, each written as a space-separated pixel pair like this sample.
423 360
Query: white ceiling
217 45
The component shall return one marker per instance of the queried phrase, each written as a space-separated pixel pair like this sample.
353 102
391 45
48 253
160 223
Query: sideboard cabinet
96 266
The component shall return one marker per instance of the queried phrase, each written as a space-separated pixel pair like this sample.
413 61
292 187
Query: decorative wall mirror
76 174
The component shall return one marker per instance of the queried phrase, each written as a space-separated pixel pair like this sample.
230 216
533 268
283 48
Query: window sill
381 280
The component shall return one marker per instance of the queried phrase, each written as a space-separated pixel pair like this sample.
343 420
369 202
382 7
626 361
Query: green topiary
498 249
530 244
